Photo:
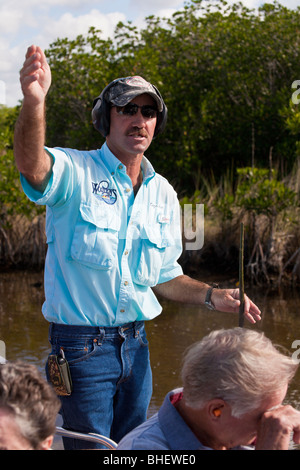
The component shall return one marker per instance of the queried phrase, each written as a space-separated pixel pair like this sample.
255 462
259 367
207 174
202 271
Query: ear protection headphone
101 112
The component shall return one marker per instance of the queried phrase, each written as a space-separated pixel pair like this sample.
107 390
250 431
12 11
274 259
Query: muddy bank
23 246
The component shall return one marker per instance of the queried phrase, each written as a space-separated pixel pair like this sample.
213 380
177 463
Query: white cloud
19 28
5 58
10 20
71 26
153 5
292 4
46 4
2 92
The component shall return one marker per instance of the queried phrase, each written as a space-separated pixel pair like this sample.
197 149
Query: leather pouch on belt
59 373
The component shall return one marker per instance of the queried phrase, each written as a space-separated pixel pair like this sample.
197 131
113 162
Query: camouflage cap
126 89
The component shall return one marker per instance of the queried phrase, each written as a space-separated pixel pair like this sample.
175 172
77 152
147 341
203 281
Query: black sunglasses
131 109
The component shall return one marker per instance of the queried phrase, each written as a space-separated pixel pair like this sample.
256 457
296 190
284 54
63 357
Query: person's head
239 365
233 377
28 408
130 107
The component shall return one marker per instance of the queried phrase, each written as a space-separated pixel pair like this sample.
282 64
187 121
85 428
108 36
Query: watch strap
208 301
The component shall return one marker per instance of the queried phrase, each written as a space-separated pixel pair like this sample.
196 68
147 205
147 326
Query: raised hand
35 76
31 158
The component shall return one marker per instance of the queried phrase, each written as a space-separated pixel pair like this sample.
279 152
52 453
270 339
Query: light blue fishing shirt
106 248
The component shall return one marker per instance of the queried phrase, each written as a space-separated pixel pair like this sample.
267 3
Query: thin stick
241 278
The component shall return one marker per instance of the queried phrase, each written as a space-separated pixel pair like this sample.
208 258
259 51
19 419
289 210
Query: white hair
238 365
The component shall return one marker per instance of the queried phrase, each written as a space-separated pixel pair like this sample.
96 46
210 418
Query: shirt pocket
95 239
148 257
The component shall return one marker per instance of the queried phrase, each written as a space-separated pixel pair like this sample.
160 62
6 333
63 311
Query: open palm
35 76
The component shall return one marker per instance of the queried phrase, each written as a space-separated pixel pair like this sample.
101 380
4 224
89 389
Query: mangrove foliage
230 77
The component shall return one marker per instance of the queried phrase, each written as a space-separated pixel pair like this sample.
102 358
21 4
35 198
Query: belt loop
101 334
136 328
98 338
125 329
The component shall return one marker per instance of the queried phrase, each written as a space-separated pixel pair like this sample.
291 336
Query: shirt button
120 167
126 283
122 310
126 252
127 190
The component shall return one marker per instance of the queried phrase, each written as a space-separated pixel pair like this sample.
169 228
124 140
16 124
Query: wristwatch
208 301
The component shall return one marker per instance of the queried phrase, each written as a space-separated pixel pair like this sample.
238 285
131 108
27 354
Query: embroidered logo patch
104 192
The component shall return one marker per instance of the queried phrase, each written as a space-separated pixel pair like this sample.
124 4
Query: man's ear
216 408
46 443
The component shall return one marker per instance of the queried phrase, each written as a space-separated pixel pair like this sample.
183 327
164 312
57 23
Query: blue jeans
112 379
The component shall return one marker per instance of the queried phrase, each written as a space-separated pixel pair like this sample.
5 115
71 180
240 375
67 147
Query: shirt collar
178 434
112 163
147 169
176 431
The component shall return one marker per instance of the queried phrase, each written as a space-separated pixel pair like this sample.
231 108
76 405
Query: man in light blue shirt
114 237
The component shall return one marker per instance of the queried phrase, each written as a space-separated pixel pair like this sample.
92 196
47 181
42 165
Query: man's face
130 136
243 430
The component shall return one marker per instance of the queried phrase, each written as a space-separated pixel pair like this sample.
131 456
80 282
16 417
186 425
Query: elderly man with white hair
234 383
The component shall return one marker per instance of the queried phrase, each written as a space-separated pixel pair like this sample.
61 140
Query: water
25 332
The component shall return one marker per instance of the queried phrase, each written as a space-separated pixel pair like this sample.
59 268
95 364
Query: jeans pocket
77 350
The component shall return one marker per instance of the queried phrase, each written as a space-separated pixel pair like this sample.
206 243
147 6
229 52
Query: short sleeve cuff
170 274
44 197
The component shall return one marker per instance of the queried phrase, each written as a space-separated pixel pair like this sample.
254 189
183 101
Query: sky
41 22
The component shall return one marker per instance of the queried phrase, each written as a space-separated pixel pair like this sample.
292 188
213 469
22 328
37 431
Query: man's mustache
137 131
